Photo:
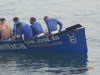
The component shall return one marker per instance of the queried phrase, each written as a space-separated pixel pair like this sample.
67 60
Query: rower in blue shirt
16 20
36 27
25 30
52 25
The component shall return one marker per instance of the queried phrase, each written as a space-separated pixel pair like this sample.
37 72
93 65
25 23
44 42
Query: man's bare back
9 30
5 30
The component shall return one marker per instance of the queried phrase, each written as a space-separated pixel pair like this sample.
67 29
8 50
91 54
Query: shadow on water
53 63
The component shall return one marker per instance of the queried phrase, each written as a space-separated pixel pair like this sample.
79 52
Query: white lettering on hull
12 46
42 40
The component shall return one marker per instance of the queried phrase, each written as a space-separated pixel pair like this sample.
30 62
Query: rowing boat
71 40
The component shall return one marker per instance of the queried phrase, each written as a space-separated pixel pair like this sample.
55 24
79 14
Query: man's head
3 21
18 25
32 20
15 19
46 18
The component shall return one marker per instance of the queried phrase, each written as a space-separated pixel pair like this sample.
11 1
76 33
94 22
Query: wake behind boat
71 40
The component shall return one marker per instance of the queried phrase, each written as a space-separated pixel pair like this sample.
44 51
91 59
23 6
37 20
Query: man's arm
10 29
14 29
1 28
61 25
32 28
49 28
20 34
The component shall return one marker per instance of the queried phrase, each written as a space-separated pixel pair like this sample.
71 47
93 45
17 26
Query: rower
25 30
5 30
52 25
0 26
36 27
16 20
0 22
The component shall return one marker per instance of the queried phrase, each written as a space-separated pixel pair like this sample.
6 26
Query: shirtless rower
0 22
0 26
5 30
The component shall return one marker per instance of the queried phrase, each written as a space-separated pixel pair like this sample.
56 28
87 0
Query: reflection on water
44 64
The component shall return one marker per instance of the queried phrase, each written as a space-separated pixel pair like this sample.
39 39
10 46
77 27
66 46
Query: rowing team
29 32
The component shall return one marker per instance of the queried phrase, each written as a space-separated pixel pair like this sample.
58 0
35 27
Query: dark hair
33 19
15 19
2 19
18 25
45 17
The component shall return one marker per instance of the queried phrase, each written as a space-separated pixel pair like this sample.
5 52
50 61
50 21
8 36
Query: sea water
69 12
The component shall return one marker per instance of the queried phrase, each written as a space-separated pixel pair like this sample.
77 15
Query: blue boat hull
73 41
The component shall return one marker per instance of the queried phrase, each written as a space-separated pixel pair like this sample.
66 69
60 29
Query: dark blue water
43 64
